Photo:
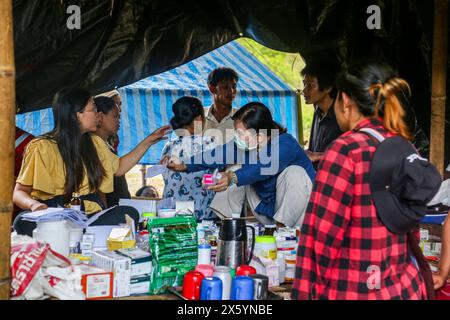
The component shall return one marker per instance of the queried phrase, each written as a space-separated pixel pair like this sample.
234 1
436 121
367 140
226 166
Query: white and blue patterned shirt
188 186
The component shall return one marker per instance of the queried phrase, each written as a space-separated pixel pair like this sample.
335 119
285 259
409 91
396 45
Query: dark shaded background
122 41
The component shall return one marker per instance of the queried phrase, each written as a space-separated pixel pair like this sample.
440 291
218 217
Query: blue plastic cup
211 289
242 288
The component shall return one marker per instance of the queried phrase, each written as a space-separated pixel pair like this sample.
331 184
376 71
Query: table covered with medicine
170 256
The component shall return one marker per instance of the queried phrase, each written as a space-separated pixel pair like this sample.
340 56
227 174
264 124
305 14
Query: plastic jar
290 267
266 247
142 240
204 254
56 234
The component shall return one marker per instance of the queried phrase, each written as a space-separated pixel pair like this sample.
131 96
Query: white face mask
241 144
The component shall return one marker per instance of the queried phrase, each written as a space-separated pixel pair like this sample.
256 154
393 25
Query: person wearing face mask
187 123
275 178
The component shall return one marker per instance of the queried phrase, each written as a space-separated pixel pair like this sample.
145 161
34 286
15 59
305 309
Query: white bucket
56 234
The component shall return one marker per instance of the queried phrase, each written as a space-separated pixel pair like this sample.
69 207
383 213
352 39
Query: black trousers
110 218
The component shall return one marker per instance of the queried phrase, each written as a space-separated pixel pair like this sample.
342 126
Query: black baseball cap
402 183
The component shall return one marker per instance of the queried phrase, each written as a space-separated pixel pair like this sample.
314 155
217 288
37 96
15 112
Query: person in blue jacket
275 175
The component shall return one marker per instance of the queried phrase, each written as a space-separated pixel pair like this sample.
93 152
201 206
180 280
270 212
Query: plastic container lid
148 214
166 213
265 239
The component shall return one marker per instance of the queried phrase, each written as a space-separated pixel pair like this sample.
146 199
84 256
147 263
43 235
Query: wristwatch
233 179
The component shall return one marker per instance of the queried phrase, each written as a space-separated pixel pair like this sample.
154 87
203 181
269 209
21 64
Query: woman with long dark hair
345 250
70 159
275 177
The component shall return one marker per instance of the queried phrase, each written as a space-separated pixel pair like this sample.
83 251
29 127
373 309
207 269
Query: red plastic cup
245 270
192 282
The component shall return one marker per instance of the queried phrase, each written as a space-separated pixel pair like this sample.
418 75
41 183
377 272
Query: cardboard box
141 261
287 245
97 283
120 266
424 235
267 267
121 238
88 237
120 244
140 284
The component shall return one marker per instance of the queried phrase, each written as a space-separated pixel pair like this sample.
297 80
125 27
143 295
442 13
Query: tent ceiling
123 41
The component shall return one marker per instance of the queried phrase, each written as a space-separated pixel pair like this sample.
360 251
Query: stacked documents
55 214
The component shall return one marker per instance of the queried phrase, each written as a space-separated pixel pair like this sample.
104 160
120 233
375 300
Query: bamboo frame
300 118
7 136
438 85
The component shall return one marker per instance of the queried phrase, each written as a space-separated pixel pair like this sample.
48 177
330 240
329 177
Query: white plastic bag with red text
37 272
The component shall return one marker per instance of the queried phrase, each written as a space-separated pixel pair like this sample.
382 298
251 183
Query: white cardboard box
141 261
120 267
267 267
140 284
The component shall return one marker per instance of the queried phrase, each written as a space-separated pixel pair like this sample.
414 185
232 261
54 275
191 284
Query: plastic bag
443 195
174 247
38 271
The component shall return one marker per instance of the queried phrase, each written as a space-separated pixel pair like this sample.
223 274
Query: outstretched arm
129 160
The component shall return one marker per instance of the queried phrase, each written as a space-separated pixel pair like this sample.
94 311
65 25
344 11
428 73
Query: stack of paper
56 214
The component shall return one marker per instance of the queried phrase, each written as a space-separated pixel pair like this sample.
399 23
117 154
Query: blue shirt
259 169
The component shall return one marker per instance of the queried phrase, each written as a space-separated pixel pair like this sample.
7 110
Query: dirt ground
134 179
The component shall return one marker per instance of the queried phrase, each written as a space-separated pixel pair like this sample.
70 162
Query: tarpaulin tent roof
123 41
147 104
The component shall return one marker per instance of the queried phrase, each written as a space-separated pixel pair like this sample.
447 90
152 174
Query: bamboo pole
300 118
143 174
7 135
438 85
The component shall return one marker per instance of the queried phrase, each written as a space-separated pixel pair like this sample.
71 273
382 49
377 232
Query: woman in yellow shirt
70 159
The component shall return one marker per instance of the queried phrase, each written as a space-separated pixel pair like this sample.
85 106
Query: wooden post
438 85
143 174
300 118
7 136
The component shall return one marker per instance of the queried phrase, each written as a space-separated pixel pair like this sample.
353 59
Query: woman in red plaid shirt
345 251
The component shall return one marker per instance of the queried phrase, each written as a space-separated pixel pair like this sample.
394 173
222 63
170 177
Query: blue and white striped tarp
147 104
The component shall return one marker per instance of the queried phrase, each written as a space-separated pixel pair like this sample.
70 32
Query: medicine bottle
75 202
